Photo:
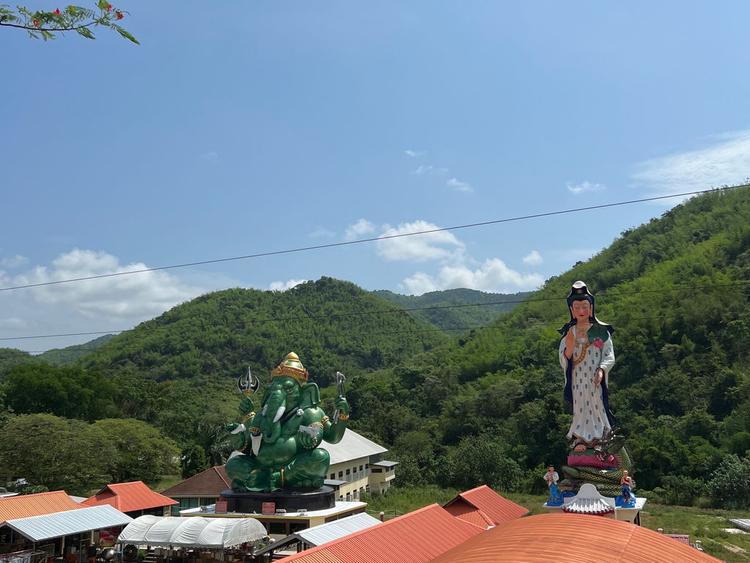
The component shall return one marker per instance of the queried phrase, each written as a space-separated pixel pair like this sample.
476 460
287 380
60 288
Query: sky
245 127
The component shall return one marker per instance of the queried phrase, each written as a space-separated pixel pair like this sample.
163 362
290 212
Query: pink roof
129 497
416 537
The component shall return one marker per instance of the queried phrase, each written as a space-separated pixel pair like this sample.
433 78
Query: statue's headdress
291 367
580 292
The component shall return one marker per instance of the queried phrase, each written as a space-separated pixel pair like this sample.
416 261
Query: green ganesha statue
277 447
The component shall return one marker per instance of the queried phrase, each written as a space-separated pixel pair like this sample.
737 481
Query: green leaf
104 5
86 32
125 34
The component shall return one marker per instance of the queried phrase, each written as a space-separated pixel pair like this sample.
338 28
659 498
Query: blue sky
269 125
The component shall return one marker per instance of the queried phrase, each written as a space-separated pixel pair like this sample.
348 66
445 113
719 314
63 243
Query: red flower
109 7
36 22
119 15
599 343
57 11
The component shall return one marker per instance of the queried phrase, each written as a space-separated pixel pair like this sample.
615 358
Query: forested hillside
455 310
676 291
333 325
177 372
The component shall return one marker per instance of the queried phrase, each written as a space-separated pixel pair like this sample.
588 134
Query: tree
482 460
141 452
47 25
56 453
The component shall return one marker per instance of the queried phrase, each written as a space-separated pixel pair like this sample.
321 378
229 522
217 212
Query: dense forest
455 310
485 406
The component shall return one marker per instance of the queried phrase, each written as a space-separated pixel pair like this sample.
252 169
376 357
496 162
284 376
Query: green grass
706 525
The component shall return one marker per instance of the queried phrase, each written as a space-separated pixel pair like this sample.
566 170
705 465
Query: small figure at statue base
627 498
552 477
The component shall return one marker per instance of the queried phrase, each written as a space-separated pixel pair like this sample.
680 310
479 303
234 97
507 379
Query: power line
602 295
371 239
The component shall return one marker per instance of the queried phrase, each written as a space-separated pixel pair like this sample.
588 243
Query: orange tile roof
416 537
572 538
492 505
208 483
128 497
35 505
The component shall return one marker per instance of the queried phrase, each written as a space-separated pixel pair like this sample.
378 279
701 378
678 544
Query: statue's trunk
271 419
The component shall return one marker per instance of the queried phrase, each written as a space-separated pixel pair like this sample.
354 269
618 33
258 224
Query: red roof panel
129 497
416 537
499 509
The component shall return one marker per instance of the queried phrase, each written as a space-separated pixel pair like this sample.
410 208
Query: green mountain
70 354
333 325
675 289
455 309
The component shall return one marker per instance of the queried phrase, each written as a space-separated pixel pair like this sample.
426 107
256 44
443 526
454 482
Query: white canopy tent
195 532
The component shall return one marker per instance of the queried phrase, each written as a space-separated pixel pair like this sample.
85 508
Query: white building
357 466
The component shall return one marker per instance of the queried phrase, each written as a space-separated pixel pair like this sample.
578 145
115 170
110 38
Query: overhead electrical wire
371 239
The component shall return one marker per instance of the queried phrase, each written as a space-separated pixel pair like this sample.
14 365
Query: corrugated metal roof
32 505
498 508
352 446
58 524
208 483
470 513
129 497
318 535
416 537
191 532
572 538
385 463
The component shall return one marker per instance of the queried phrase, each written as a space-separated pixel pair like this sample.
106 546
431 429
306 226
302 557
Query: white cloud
129 298
441 245
414 154
585 187
533 258
283 286
359 229
210 156
13 261
724 162
494 275
423 169
458 185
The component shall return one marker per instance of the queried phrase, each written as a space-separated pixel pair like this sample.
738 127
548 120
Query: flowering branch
46 25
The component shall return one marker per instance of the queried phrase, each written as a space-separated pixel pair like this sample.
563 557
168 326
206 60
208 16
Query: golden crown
291 367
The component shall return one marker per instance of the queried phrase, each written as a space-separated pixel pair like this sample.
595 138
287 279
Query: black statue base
290 501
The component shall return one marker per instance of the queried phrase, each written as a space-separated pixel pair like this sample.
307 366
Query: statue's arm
334 431
311 428
563 358
608 357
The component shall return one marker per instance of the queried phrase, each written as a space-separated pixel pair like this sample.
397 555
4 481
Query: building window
348 496
361 468
376 470
333 475
341 474
348 471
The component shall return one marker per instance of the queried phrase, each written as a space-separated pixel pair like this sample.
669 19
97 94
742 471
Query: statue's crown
291 367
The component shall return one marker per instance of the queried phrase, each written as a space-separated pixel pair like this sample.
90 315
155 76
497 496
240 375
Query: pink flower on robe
599 343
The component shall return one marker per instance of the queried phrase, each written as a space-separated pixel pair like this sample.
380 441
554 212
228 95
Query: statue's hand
246 406
308 437
342 405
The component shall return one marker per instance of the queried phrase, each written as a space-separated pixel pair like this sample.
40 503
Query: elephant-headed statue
278 447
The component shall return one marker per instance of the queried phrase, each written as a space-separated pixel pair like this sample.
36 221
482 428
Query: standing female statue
586 356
